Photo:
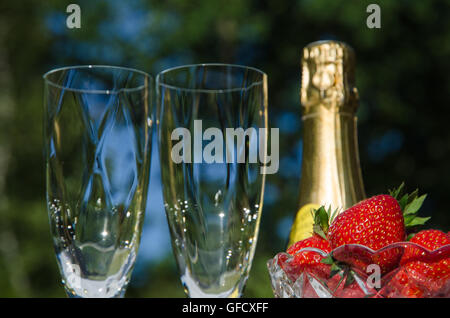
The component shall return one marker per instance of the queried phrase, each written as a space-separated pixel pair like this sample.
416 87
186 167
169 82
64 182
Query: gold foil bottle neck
330 173
328 77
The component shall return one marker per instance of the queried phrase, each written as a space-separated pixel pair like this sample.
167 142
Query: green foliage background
402 76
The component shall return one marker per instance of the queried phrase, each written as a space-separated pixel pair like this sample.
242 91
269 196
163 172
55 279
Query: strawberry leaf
328 260
349 279
335 269
321 224
415 205
410 204
319 232
333 215
416 221
403 202
410 236
396 192
413 195
408 218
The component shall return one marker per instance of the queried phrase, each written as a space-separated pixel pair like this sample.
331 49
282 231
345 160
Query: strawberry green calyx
322 220
344 270
410 205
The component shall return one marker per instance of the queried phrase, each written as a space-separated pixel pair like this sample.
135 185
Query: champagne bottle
331 173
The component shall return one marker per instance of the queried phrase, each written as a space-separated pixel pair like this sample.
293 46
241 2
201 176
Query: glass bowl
357 275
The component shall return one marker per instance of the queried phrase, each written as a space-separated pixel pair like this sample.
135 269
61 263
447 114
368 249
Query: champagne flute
98 123
212 120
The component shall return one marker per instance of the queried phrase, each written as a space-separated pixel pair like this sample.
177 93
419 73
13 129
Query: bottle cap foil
328 77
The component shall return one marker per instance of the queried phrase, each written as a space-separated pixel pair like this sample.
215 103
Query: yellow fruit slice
303 224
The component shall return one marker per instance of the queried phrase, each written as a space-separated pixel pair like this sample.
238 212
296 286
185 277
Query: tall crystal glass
98 123
211 123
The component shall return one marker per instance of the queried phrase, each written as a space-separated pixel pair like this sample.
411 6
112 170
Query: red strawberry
401 286
421 275
431 240
375 223
307 260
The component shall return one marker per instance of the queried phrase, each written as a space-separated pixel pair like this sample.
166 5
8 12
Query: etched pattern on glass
213 208
97 163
